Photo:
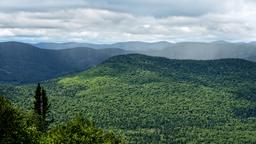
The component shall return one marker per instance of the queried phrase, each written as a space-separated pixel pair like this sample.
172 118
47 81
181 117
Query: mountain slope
157 100
21 62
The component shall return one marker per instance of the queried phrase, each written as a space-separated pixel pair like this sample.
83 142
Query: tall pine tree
41 108
45 104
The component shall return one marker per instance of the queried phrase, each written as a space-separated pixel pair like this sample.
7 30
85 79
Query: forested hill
164 65
20 62
157 100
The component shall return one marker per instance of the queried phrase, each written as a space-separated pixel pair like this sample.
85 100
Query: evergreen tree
37 103
41 108
45 104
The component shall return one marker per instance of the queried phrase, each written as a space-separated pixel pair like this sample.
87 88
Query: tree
80 130
13 128
45 104
41 108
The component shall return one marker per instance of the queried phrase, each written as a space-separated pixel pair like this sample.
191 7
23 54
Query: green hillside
157 100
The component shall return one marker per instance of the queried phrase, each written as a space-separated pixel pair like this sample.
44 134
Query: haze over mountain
207 51
131 45
20 62
183 50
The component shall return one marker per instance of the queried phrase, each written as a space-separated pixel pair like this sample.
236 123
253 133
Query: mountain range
131 46
20 62
156 100
182 50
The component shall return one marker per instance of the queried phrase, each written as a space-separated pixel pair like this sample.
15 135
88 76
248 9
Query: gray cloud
116 20
160 8
39 5
136 7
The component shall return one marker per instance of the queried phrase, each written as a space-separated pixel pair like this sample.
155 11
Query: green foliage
79 131
13 128
156 100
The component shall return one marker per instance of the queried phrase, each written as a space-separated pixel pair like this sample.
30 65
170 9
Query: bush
81 131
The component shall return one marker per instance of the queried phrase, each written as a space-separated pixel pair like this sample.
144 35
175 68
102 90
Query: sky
109 21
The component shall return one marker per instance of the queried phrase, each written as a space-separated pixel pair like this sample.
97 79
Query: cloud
39 5
116 20
136 7
6 33
159 8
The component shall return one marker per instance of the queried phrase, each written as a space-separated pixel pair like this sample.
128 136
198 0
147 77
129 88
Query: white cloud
6 33
115 20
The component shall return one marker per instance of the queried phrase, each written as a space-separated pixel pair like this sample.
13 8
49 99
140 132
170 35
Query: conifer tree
37 103
41 108
45 104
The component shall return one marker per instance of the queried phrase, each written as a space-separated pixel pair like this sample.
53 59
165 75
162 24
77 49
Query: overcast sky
108 21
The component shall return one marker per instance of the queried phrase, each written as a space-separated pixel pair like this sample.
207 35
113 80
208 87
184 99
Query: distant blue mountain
20 62
183 50
132 45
